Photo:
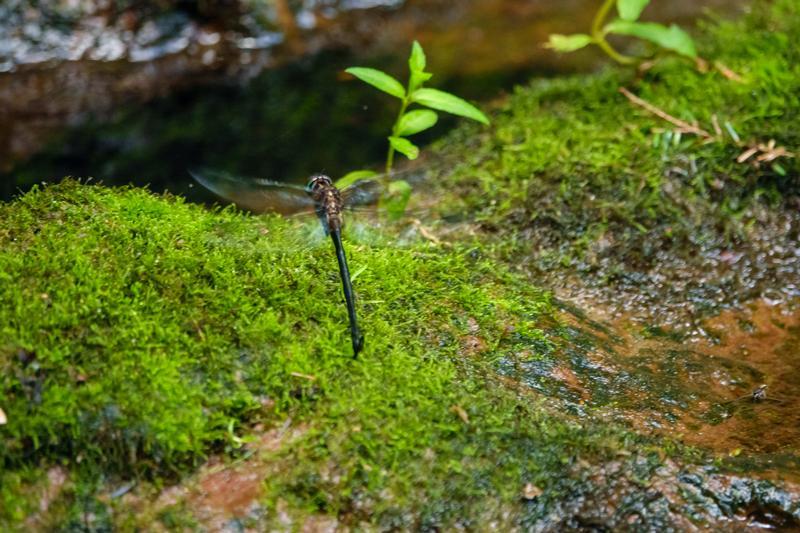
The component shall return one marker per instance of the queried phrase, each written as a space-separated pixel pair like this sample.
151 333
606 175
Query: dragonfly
320 196
758 395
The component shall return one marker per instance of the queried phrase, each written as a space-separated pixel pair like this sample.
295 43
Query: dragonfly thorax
327 201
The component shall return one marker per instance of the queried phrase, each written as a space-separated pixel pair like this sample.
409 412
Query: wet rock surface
633 495
630 494
680 285
694 390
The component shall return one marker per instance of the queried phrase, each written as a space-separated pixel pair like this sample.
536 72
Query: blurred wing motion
363 193
370 191
260 195
256 195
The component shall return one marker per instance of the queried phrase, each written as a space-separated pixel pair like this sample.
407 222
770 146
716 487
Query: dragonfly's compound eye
318 180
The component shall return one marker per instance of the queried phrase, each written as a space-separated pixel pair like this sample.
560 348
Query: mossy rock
581 187
140 335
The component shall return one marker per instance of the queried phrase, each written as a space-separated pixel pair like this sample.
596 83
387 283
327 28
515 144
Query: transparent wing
363 193
368 191
256 195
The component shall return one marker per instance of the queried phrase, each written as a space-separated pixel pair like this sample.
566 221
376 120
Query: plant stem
600 17
403 107
389 159
600 38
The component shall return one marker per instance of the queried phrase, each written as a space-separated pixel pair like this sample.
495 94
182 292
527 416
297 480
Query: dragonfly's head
318 180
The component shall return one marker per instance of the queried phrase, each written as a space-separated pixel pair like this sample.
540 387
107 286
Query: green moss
140 333
574 163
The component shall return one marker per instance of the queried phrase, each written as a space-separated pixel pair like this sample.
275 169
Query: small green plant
412 122
408 123
671 38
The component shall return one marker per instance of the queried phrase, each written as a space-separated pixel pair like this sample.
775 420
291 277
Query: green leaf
449 103
395 200
352 177
417 61
568 43
417 79
416 121
630 10
404 146
672 38
379 80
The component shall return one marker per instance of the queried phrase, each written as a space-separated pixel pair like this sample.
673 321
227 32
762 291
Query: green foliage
569 43
404 146
379 80
671 38
597 169
631 9
416 121
449 103
412 122
352 177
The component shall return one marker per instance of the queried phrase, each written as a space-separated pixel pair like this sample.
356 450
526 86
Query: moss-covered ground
141 336
573 178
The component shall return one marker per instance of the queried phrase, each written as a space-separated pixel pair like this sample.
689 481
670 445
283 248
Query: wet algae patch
608 202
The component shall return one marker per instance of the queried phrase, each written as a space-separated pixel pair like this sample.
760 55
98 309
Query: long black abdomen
344 272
